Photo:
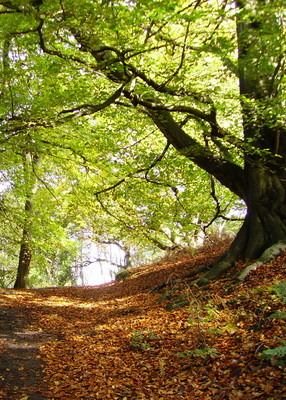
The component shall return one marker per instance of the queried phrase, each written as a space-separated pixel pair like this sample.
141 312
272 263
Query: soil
21 369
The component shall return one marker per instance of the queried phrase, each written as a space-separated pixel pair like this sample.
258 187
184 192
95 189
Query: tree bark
270 254
263 227
259 69
25 254
226 172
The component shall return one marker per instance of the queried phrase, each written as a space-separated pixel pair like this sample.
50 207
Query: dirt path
20 364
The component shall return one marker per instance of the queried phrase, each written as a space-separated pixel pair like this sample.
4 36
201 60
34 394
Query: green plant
278 314
277 352
210 317
280 290
203 353
141 339
122 275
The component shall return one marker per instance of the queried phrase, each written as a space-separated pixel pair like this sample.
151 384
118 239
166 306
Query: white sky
98 273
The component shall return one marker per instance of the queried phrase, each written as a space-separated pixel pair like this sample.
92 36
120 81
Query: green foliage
142 339
278 315
104 167
121 275
202 353
278 352
280 290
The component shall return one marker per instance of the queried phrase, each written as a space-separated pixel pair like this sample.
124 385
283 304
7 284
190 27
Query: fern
280 290
279 352
203 353
278 315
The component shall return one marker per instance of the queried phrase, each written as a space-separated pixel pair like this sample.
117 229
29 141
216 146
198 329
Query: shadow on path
21 376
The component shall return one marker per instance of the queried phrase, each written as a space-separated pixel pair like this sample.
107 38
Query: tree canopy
133 120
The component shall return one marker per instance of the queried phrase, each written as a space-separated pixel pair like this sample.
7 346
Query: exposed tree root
227 260
268 255
224 263
189 275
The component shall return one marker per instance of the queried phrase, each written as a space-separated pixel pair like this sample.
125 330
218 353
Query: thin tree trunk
25 254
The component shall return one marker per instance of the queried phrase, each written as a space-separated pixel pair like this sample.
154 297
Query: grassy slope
118 341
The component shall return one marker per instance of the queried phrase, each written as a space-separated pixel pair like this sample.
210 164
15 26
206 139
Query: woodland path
20 364
22 367
120 342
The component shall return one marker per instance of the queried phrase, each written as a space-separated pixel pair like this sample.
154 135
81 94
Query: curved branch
54 52
160 88
88 109
227 173
137 171
153 105
182 58
9 5
217 203
159 244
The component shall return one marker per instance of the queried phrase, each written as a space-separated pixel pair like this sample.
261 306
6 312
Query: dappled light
119 341
143 142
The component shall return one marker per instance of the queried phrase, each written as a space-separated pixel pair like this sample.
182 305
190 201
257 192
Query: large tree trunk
266 211
260 66
264 225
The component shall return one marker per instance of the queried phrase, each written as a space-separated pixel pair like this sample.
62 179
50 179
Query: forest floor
119 341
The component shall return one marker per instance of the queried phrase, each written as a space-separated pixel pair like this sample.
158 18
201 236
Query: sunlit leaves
118 341
65 57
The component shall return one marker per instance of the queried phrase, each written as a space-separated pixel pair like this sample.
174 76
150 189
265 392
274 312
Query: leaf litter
119 341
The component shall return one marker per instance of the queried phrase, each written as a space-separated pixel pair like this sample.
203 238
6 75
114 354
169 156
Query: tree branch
88 109
153 105
137 171
160 88
226 172
10 5
55 52
175 73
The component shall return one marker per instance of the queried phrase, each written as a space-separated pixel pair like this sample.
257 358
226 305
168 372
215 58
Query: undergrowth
277 355
211 315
